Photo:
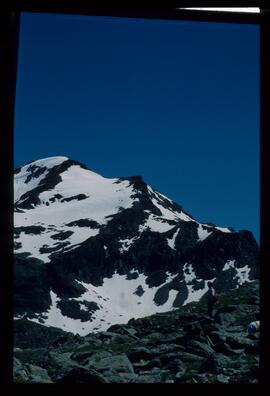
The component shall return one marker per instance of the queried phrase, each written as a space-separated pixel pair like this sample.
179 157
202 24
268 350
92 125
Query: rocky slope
91 252
180 346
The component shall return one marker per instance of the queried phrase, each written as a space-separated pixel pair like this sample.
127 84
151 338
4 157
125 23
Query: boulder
146 365
166 348
217 337
105 361
155 376
38 357
209 328
119 378
238 342
223 379
81 375
253 349
193 328
155 337
200 348
141 353
59 364
180 375
224 348
215 364
189 357
80 357
226 319
37 374
19 372
175 366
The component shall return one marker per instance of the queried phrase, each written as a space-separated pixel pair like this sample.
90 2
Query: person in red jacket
212 298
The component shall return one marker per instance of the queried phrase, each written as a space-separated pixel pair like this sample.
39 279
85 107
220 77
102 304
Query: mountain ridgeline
92 252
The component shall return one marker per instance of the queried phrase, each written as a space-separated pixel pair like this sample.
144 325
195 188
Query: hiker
253 327
212 297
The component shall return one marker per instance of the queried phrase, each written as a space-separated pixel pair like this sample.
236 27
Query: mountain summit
92 251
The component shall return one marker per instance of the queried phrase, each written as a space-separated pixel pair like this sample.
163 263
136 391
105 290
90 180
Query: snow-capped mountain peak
112 248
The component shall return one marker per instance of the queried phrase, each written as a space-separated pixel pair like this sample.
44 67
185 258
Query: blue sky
174 102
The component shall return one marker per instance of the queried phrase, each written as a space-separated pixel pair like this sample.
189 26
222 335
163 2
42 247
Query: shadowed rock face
180 346
127 243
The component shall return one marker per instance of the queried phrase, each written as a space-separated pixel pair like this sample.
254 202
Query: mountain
91 252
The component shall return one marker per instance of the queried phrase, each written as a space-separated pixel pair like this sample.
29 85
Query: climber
253 327
212 297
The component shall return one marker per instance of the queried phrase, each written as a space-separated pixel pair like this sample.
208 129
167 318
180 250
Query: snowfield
117 302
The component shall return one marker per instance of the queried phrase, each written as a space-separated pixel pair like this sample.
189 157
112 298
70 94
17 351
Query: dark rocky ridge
84 223
78 197
181 346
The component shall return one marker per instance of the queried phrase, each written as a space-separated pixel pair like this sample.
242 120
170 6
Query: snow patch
242 274
156 224
126 243
189 275
171 242
229 264
203 233
223 229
